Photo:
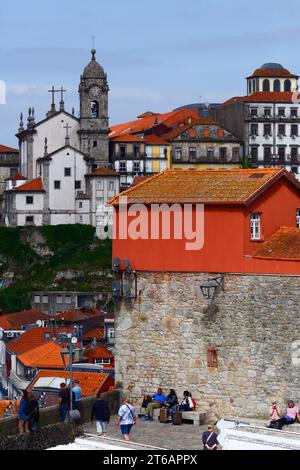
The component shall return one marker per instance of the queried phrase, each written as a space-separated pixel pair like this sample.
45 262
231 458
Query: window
223 153
210 153
253 111
111 185
29 219
281 154
236 153
281 112
266 85
37 299
29 199
298 218
294 154
281 129
77 184
67 171
267 112
59 299
103 360
123 150
56 184
254 154
95 144
122 167
100 201
267 129
80 205
193 154
294 112
136 167
178 153
294 169
45 299
67 299
81 219
111 333
267 154
276 86
136 150
94 109
255 226
254 129
212 357
47 336
294 129
287 85
250 87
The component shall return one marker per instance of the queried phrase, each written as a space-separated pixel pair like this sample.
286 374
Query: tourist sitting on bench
186 403
291 414
158 400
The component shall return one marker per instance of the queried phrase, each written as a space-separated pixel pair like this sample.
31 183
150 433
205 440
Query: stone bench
265 422
198 417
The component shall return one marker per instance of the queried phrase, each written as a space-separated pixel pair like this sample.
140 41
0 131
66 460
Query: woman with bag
126 418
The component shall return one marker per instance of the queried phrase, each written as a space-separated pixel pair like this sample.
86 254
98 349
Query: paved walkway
166 436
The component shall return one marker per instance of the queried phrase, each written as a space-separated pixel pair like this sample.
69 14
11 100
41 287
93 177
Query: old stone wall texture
163 337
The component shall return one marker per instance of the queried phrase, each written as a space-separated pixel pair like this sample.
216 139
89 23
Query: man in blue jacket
100 411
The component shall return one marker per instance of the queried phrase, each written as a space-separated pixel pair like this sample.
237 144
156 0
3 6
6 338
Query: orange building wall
227 244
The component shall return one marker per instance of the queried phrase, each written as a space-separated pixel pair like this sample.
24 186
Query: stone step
264 422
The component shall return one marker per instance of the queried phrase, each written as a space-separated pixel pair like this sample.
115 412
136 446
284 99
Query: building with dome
64 175
267 119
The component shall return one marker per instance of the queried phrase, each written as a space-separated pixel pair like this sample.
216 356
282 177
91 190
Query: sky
158 54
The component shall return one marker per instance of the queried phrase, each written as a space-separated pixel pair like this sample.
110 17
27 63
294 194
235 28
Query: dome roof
271 66
93 69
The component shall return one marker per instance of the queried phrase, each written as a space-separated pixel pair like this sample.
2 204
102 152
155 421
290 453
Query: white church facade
65 175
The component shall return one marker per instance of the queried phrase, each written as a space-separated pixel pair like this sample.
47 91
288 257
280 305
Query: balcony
129 156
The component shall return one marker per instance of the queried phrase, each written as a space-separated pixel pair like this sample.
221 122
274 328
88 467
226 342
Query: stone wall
162 340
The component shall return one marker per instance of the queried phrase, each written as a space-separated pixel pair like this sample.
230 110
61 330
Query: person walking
101 412
64 401
126 418
77 392
210 439
23 414
34 413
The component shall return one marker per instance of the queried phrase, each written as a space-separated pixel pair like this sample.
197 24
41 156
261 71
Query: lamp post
70 339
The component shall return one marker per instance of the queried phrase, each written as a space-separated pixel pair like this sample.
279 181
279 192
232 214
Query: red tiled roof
33 185
45 355
15 321
34 337
77 314
139 179
273 73
283 244
98 352
90 382
4 149
104 172
127 138
97 333
264 97
143 124
179 130
16 177
204 186
153 139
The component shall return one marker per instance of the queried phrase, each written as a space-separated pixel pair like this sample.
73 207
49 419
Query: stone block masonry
163 338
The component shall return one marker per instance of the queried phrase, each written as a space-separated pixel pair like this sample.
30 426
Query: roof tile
283 244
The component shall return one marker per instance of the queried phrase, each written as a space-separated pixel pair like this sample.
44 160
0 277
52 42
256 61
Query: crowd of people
170 402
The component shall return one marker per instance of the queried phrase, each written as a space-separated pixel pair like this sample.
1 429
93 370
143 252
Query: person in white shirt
126 418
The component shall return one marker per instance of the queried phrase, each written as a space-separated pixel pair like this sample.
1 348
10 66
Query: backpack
194 403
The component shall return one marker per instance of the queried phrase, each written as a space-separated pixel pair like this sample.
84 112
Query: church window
56 184
287 85
298 218
255 226
212 357
266 85
77 184
95 144
29 199
94 109
276 86
67 171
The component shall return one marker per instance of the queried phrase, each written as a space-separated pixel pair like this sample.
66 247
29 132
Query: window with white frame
111 185
111 333
103 360
59 299
45 299
99 184
67 299
298 218
37 299
255 225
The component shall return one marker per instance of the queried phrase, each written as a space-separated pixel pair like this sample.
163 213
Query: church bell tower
94 128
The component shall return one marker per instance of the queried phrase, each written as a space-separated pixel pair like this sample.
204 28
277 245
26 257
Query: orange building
243 210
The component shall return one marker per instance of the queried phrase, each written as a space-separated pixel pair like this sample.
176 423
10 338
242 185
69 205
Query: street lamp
71 340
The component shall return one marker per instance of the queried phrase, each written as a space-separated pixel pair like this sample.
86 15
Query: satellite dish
39 323
74 340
